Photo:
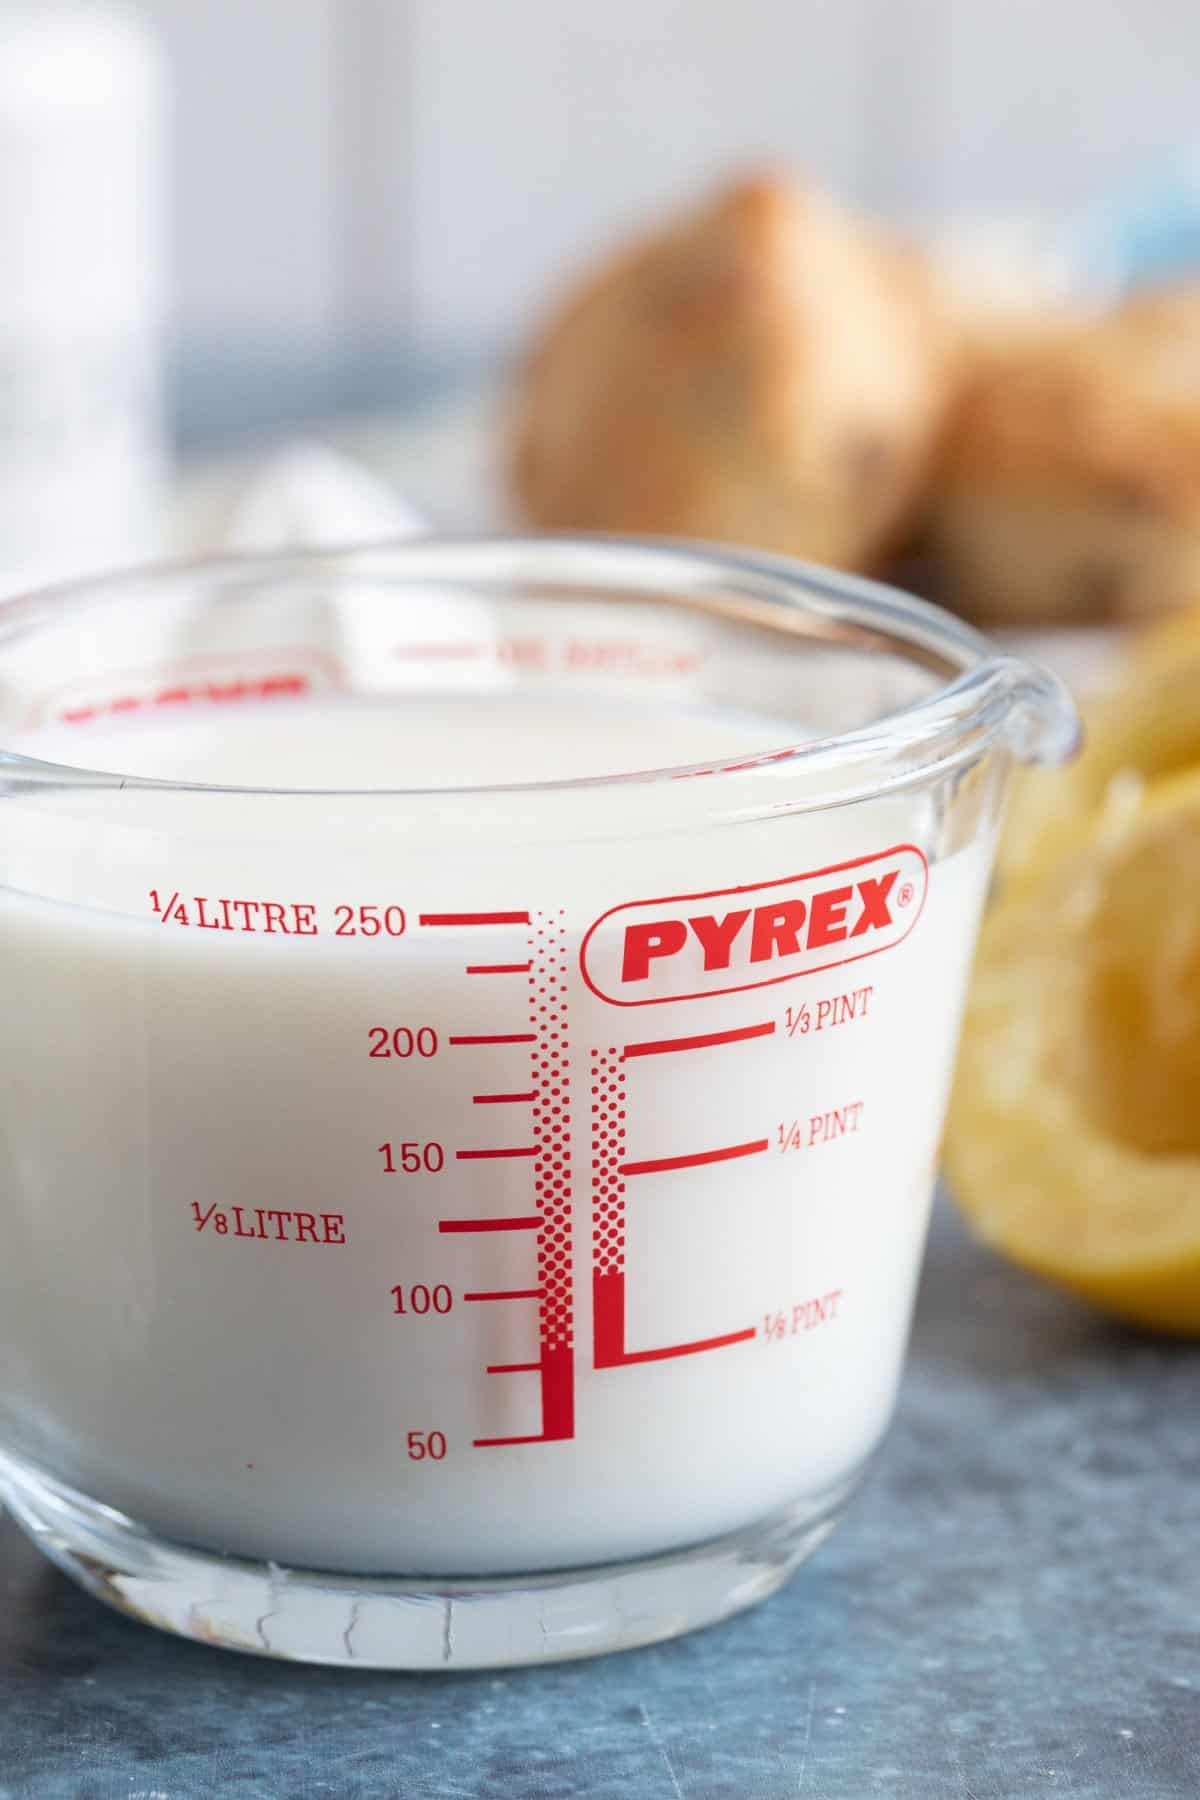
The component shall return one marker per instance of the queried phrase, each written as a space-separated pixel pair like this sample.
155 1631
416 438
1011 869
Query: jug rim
984 693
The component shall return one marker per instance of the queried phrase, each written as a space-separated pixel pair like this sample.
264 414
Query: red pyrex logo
689 946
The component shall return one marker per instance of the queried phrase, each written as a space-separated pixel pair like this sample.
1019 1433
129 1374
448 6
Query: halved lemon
1143 729
1073 1139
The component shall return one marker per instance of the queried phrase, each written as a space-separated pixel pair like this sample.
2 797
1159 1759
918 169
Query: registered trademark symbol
904 896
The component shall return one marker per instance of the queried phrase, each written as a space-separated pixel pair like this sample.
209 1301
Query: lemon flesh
1073 1138
1142 731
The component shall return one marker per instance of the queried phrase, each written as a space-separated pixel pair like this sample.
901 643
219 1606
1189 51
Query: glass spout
1042 722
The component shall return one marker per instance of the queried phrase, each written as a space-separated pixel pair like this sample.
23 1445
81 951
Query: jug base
412 1623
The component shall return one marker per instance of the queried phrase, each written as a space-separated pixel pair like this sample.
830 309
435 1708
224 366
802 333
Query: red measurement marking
608 1231
548 1001
608 1303
544 969
558 1391
509 1294
498 1037
804 1315
187 678
490 1443
822 1128
487 1155
265 687
659 1046
656 1165
523 1224
172 908
481 918
558 1401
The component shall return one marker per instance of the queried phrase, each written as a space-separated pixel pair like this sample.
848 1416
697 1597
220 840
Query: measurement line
513 1368
498 1037
608 1326
659 1163
501 1099
693 1349
659 1046
465 918
490 1443
530 1223
499 968
487 1155
509 1294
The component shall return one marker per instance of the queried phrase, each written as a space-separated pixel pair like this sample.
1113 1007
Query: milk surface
424 741
466 1209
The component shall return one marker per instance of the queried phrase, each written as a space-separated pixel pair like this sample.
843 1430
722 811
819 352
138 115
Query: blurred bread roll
762 371
1069 491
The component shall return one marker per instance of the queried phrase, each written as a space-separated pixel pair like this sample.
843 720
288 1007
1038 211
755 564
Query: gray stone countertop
1011 1609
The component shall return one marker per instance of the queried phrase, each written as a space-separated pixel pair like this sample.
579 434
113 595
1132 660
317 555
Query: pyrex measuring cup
461 1222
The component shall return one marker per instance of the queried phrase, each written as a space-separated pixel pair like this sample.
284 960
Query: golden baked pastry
762 371
1070 486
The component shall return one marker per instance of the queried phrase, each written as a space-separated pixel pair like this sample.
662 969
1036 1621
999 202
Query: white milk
313 1191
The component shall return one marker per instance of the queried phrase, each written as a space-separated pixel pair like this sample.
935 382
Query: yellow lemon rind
1037 1178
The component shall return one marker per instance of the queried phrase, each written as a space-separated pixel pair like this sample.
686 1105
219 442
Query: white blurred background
227 225
368 194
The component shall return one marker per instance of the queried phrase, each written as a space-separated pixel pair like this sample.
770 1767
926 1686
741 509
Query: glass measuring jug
477 1023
